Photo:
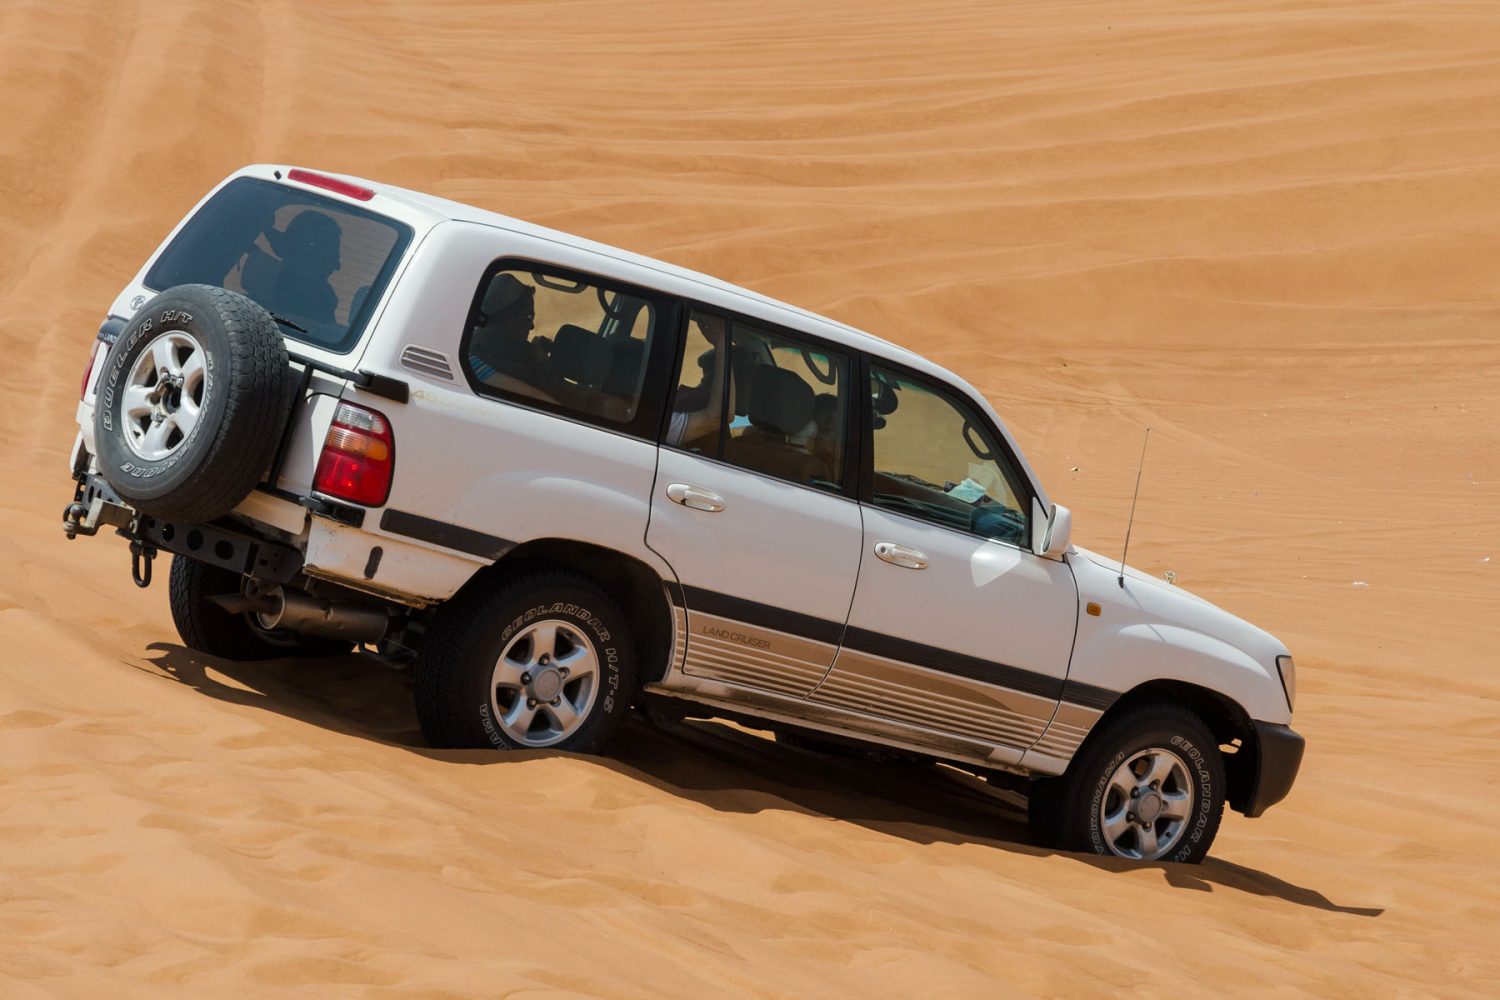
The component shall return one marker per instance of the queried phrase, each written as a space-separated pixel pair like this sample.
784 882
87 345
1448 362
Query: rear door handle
695 497
901 555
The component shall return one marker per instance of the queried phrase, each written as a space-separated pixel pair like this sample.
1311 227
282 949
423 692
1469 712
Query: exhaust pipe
301 612
315 616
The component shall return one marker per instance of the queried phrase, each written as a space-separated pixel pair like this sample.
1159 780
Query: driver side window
935 459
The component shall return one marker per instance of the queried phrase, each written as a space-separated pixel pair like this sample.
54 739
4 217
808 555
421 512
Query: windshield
316 263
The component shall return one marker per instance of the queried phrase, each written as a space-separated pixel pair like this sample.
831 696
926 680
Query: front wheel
544 662
1147 786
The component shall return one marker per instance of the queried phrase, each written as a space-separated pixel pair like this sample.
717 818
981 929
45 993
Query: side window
573 346
935 459
762 400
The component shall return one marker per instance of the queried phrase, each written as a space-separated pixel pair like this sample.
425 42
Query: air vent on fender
425 361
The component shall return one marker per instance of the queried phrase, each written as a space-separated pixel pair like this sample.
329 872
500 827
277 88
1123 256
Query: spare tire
192 403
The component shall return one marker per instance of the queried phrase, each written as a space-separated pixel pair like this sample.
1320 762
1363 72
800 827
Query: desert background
1268 230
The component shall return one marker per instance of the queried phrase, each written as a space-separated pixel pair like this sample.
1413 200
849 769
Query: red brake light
88 370
330 184
359 456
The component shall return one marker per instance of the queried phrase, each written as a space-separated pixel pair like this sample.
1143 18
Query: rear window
317 264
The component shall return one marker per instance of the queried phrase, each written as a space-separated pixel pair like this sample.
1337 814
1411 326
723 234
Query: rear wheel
1147 786
545 661
208 628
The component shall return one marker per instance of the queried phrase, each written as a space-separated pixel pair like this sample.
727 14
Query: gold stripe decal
748 655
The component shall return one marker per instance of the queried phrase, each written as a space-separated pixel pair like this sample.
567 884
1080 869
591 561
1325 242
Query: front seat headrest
780 402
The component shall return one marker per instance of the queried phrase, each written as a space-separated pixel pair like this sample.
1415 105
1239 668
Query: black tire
455 701
246 394
1065 812
208 628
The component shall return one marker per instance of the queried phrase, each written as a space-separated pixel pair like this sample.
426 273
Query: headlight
1288 671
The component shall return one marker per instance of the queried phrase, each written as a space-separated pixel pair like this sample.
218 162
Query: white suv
564 480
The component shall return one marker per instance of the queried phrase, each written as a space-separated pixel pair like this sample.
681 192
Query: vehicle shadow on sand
718 764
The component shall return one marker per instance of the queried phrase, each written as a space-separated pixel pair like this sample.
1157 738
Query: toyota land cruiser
562 480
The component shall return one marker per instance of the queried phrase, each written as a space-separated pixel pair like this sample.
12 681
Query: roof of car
832 329
717 292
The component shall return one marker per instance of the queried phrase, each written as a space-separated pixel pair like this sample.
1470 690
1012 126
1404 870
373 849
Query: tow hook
73 525
141 554
90 511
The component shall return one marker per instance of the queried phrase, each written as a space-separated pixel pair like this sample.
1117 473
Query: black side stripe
450 536
1087 695
766 616
901 650
959 664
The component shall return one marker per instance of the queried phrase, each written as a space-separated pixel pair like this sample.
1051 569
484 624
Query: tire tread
457 626
258 387
1058 807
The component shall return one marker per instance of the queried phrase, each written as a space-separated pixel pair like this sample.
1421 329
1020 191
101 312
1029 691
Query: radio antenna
1129 524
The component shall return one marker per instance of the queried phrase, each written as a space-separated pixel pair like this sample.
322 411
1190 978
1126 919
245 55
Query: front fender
1148 630
1119 659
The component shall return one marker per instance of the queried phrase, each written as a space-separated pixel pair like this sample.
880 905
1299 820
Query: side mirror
1050 537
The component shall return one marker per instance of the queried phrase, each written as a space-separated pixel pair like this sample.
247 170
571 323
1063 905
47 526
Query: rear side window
317 264
573 344
777 407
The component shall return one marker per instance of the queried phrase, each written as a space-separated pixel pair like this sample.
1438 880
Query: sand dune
1267 231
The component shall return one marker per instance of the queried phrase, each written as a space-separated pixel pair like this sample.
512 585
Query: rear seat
598 376
781 404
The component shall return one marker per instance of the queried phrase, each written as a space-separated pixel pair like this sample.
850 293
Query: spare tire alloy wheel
163 396
192 403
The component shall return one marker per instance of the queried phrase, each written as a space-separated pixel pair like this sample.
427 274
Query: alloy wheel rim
164 395
1147 804
544 684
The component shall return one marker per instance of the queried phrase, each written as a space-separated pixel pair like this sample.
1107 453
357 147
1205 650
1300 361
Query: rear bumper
223 544
1278 756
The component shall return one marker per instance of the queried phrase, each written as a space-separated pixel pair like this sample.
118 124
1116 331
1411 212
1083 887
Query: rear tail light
109 332
359 456
88 370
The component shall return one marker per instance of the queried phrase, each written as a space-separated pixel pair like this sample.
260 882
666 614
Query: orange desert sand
1269 231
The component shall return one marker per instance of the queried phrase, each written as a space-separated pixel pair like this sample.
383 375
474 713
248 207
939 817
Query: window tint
935 459
313 261
570 345
777 407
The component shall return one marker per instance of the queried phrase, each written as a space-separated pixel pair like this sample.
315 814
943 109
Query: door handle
695 497
901 555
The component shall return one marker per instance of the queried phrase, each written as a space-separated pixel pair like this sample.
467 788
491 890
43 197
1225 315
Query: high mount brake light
359 457
330 184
